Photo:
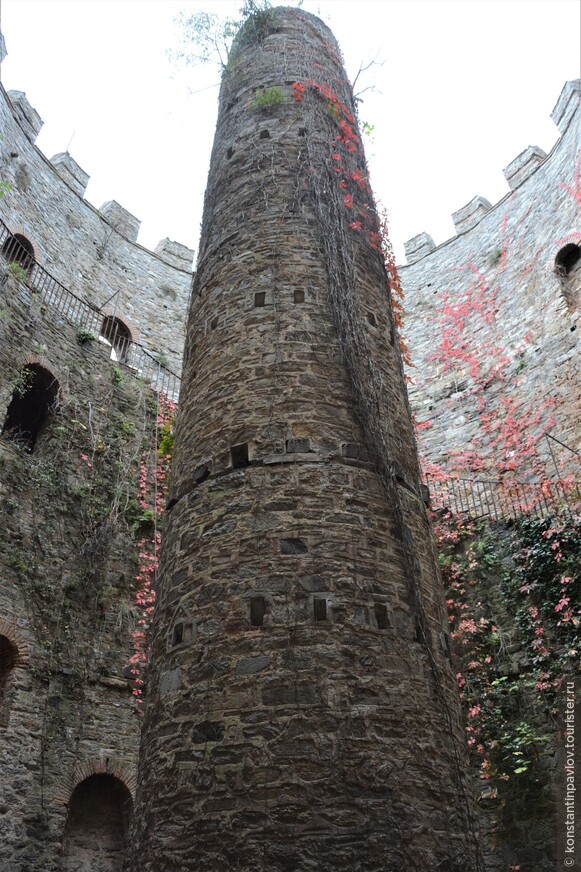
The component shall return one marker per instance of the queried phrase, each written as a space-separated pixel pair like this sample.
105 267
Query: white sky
465 86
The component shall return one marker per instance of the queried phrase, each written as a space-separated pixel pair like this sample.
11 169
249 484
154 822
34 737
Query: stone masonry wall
92 253
301 710
68 559
493 328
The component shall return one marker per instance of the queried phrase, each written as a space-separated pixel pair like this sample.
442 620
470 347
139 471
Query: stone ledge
469 215
523 165
70 172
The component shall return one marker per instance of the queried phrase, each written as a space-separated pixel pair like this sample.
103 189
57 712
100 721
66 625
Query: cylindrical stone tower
301 711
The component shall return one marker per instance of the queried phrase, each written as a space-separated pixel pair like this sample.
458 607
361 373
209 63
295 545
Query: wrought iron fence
501 500
139 362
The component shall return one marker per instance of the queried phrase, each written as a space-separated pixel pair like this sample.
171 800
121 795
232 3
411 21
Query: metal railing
131 355
501 500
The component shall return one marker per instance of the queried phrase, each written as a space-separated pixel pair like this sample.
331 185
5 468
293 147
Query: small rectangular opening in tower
257 611
239 455
380 616
320 609
299 295
297 446
178 634
293 546
259 299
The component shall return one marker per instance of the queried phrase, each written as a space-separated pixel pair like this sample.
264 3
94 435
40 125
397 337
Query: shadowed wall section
94 838
301 709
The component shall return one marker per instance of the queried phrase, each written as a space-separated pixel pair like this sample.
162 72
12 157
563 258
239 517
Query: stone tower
301 707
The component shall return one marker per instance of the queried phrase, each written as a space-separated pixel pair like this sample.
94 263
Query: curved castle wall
91 252
493 327
72 508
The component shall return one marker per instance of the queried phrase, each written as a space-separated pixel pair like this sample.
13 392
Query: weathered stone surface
67 561
514 345
91 253
324 741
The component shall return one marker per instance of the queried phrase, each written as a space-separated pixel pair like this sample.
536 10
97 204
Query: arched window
8 659
568 269
567 259
17 249
96 829
33 399
118 336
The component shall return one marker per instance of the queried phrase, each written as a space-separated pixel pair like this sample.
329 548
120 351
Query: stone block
69 170
176 254
121 220
567 104
523 165
469 215
26 115
418 247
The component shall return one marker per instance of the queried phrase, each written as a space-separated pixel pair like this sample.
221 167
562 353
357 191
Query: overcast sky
464 87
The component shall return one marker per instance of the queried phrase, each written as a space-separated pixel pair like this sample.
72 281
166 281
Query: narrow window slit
320 609
259 299
257 611
239 456
380 611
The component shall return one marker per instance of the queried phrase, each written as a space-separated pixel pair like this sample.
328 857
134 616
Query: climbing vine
514 642
350 230
151 497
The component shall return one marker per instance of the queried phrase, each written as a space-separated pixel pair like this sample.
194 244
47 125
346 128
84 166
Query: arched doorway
118 335
33 399
17 249
100 809
8 660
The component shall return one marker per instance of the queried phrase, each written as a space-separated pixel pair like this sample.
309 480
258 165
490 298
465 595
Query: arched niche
19 250
568 270
33 399
8 660
99 813
118 335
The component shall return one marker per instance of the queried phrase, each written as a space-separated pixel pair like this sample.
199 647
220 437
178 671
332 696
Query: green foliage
22 178
208 36
166 441
17 272
515 629
118 378
162 359
367 129
519 745
544 593
269 98
85 335
4 188
23 382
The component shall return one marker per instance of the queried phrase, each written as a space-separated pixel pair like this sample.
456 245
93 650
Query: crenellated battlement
493 316
73 175
516 173
92 252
